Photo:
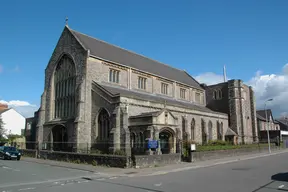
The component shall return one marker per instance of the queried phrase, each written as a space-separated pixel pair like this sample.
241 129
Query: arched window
203 130
210 129
184 135
219 130
215 94
193 129
103 125
219 93
142 143
64 88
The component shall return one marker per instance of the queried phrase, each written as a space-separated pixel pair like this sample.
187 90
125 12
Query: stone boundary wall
28 152
93 159
141 161
218 154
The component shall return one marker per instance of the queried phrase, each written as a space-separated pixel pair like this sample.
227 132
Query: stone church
98 96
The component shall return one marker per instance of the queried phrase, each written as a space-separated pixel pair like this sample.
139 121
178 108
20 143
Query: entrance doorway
166 141
59 138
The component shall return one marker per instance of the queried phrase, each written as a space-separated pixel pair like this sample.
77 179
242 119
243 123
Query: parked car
10 153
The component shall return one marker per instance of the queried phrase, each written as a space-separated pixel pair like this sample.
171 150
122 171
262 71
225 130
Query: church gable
165 117
69 45
69 49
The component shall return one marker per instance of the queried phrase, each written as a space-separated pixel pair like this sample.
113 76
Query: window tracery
64 86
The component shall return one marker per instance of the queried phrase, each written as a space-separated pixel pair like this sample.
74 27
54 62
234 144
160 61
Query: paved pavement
255 174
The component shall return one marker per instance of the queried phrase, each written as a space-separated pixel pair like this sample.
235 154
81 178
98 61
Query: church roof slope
119 55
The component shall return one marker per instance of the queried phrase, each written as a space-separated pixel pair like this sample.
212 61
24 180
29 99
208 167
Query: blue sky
198 36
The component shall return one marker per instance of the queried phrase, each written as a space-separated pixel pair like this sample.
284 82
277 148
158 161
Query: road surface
264 174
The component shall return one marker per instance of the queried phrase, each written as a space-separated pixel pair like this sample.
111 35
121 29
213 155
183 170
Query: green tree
2 130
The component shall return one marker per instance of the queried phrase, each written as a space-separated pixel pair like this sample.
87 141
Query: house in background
14 122
272 125
283 123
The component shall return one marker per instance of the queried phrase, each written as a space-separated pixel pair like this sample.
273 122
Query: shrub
120 152
187 143
94 163
77 161
218 142
96 151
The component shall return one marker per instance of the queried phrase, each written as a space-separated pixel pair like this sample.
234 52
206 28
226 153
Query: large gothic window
64 86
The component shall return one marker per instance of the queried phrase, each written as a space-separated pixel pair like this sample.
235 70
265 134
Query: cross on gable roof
109 52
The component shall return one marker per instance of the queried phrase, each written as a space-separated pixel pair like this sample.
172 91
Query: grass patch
228 147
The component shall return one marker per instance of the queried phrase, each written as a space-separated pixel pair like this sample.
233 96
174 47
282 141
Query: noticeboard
193 147
152 144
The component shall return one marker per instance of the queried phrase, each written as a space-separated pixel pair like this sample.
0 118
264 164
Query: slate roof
283 124
262 116
118 91
119 55
148 114
230 132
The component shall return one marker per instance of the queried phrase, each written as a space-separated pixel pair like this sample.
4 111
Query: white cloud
23 107
266 86
209 78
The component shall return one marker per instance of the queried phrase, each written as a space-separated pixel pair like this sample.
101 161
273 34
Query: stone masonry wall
253 115
248 120
220 105
136 107
234 107
238 101
242 114
67 44
98 71
99 103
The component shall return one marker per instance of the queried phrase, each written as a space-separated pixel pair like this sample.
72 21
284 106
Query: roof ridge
128 51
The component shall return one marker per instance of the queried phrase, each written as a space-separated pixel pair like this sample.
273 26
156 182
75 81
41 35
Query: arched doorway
166 138
59 137
103 129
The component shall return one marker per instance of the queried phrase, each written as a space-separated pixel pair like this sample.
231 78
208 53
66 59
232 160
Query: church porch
160 128
59 136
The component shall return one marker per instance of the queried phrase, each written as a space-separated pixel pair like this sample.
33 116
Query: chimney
3 106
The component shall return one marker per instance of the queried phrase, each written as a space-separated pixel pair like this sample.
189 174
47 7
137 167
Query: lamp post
268 136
